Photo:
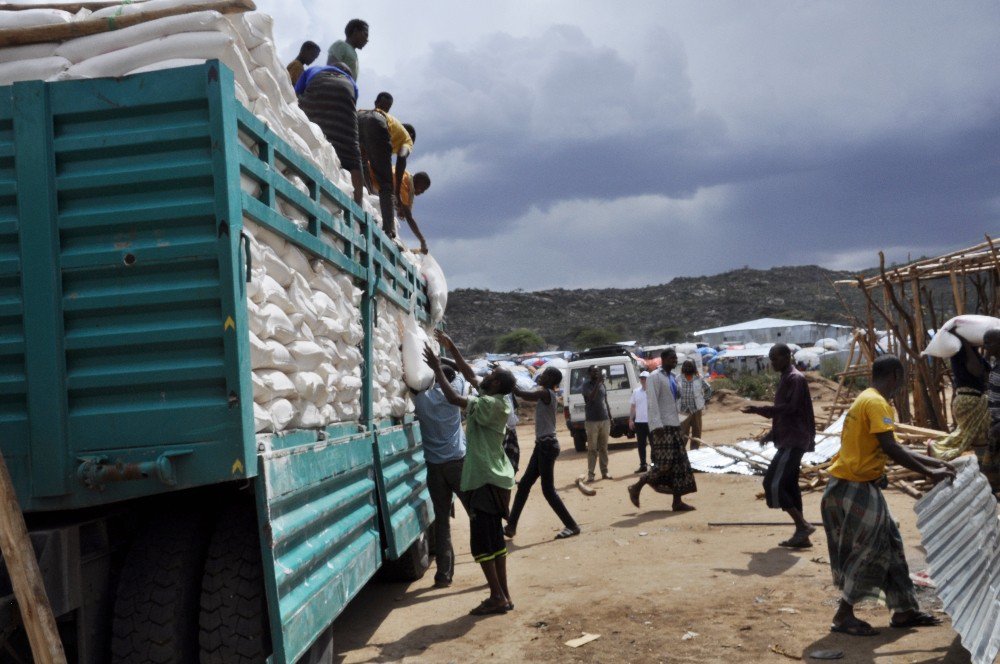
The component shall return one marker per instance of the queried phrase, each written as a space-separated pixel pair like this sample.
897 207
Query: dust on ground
658 586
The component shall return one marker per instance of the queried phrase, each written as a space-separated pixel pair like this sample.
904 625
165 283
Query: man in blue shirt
444 451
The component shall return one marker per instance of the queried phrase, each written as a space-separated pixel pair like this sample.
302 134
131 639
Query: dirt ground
655 585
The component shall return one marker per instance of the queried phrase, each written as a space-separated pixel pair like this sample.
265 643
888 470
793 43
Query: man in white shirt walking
672 471
638 419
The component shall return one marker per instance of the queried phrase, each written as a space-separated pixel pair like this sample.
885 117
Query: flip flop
920 619
796 543
855 628
568 532
487 609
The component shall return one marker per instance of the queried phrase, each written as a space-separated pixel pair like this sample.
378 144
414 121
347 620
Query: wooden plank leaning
63 31
26 578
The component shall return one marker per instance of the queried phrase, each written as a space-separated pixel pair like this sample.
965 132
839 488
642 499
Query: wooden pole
959 302
19 555
63 31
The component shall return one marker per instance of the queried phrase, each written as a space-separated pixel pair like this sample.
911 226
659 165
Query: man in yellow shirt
308 53
382 136
866 549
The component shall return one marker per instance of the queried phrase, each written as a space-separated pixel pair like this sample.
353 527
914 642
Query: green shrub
723 384
757 387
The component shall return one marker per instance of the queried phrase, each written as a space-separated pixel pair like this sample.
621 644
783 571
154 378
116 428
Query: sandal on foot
568 532
918 619
796 542
486 608
854 628
633 494
509 532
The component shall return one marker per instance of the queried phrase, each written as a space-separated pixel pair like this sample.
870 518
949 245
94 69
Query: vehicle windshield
615 378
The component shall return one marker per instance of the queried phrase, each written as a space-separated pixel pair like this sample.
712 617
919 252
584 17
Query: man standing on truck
346 50
382 136
543 458
444 451
413 185
328 96
793 431
597 420
487 475
308 53
671 472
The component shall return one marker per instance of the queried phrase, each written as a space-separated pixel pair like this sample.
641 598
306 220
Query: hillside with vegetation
481 319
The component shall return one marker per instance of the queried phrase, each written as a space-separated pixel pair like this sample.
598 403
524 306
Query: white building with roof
772 331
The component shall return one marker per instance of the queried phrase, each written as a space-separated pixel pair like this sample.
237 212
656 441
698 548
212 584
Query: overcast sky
597 144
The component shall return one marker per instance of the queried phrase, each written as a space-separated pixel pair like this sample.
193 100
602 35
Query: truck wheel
414 562
156 604
233 621
580 440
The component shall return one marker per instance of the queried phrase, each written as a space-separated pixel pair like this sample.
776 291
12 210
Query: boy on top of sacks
487 476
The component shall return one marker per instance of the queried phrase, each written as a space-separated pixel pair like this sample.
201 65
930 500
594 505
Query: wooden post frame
26 578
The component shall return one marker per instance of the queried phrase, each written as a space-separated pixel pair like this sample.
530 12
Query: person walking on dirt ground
543 458
793 431
695 393
597 421
487 475
865 547
671 472
443 441
638 419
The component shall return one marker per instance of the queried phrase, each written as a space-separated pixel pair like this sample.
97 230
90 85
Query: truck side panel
124 277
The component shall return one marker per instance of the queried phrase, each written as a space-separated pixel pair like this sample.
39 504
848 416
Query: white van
621 377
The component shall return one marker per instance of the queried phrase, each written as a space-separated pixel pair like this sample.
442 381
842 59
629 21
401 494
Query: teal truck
167 530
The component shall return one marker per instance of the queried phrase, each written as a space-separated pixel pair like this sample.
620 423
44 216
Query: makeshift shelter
772 331
911 301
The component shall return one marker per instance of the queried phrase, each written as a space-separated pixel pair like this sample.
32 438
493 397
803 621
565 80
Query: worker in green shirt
487 476
346 50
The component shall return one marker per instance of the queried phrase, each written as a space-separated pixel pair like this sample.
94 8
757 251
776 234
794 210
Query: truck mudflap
319 530
401 474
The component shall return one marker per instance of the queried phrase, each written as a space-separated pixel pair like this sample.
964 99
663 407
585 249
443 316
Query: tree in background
521 340
668 335
589 337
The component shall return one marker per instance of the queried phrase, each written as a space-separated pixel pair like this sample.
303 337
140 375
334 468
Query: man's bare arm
460 363
434 362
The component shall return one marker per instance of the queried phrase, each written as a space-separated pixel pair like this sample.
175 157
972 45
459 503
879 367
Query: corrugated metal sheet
719 459
961 534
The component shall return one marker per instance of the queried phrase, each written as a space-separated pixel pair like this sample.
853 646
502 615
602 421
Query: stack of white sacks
304 316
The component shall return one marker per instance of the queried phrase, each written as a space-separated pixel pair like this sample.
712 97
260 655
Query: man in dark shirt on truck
793 431
597 421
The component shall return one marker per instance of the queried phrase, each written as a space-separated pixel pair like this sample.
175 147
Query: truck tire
413 564
579 440
155 617
233 619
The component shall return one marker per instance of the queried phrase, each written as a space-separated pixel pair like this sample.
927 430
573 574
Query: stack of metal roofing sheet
961 534
749 457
